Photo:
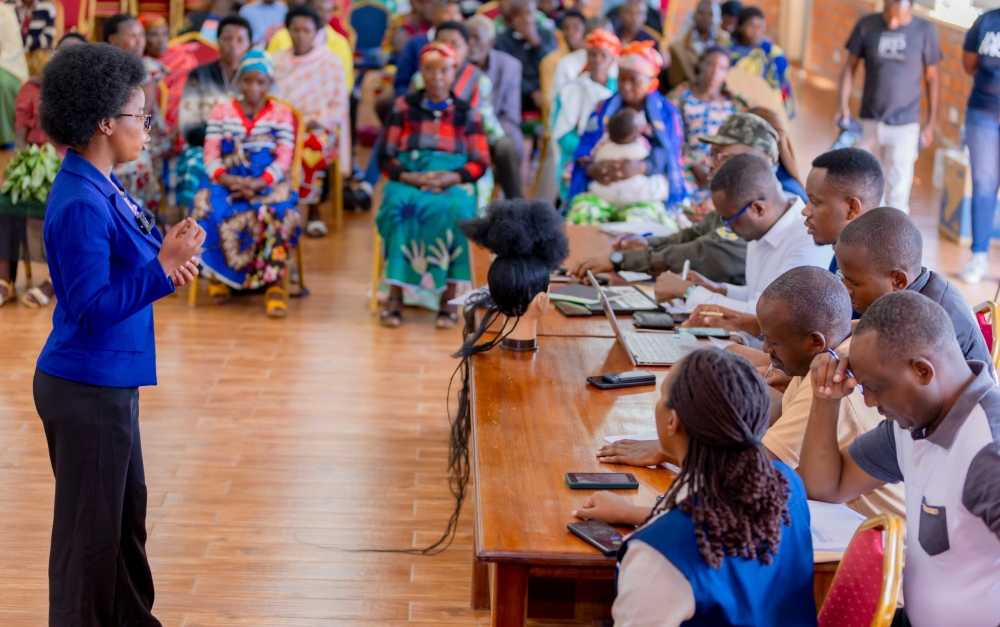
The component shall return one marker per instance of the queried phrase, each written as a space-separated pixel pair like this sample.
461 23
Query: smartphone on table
599 535
615 380
601 481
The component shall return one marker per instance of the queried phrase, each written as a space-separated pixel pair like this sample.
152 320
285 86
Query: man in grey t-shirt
899 49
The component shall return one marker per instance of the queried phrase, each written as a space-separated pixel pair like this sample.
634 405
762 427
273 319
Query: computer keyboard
660 347
628 298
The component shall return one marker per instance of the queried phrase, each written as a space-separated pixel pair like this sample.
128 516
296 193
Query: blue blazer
106 277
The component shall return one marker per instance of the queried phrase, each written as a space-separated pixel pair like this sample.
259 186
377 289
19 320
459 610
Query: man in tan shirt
803 313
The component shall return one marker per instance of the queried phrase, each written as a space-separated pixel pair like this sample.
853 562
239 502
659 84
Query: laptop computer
647 349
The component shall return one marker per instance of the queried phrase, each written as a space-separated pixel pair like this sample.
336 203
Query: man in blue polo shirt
941 436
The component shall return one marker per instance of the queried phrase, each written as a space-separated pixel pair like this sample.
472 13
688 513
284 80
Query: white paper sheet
637 228
633 277
832 528
720 343
649 435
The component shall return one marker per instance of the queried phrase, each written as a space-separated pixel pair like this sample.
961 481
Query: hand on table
612 509
593 264
180 244
670 285
711 286
632 453
723 318
625 243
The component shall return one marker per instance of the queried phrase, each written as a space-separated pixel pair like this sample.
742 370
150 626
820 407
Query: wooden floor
272 444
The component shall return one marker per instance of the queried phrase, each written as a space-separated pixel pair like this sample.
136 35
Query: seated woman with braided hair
729 543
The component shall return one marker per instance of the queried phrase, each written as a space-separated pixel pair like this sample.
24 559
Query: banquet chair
866 585
988 318
294 176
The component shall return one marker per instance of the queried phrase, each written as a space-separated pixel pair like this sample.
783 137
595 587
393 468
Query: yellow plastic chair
487 7
866 586
376 271
294 176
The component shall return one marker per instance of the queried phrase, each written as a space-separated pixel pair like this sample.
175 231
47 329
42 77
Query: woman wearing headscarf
753 52
704 105
434 150
659 124
578 99
246 203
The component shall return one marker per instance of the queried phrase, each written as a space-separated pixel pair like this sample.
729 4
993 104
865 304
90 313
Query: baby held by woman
625 142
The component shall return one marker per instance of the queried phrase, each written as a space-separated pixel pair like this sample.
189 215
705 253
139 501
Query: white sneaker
976 269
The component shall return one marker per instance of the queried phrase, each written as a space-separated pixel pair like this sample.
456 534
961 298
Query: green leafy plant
30 173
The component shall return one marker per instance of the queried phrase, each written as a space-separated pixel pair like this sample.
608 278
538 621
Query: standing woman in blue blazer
108 264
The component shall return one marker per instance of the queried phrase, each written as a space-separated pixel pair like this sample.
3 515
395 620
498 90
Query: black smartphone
680 318
653 320
703 332
572 310
601 481
599 535
615 380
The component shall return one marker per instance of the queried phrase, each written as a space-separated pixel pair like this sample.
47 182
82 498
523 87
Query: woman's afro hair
83 85
521 229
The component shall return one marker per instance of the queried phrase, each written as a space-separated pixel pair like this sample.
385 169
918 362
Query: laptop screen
610 313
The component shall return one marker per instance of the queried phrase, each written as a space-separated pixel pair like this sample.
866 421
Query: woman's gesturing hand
180 244
185 273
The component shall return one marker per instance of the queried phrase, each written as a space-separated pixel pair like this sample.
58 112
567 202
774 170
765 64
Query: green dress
423 247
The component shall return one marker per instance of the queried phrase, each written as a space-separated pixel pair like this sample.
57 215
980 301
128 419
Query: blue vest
741 592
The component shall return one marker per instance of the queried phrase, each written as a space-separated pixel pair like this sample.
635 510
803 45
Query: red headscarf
600 38
438 50
643 58
152 20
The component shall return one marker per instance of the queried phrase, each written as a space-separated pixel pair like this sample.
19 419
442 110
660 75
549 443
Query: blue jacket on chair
106 277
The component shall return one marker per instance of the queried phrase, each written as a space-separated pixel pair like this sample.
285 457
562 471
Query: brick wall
831 24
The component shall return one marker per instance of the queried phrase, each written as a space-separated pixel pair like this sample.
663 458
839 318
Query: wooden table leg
480 583
510 595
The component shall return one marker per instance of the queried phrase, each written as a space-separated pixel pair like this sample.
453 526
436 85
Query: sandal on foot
276 302
217 291
316 228
9 295
34 298
446 320
390 316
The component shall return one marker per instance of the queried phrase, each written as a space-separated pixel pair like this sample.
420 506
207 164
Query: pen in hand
848 372
636 236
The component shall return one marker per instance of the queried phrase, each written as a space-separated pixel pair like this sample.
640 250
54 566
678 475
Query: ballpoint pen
636 236
850 374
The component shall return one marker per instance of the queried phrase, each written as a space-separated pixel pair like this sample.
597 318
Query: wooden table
534 418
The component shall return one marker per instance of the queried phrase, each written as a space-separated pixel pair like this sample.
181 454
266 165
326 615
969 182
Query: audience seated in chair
142 177
804 312
574 32
639 66
176 63
571 66
687 50
880 252
632 19
409 61
310 78
528 43
328 36
939 436
704 105
208 22
752 204
246 195
209 84
577 100
729 543
752 51
430 167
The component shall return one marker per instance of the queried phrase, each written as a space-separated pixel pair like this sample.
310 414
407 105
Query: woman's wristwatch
617 257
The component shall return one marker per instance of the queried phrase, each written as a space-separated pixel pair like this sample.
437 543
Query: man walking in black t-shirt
899 49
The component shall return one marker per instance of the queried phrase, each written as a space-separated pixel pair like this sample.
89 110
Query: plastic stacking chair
866 585
988 317
369 21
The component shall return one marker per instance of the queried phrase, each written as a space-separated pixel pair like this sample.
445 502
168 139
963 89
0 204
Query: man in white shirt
752 205
941 436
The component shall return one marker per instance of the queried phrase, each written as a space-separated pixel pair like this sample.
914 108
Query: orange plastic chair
866 586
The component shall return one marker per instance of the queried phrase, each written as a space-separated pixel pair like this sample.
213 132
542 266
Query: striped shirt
273 128
414 125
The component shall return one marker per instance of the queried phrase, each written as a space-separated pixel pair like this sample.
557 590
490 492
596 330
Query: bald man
940 436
